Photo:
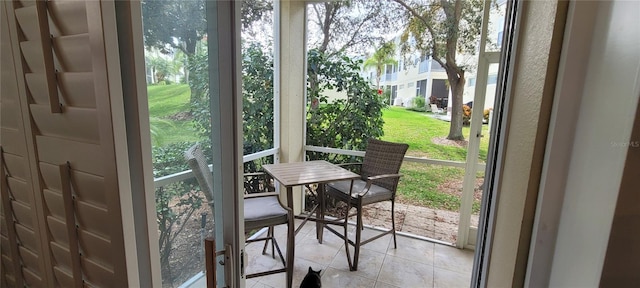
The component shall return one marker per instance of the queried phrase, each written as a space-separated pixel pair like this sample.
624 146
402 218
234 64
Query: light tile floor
415 263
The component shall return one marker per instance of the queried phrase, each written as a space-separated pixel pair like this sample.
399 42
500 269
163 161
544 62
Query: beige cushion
262 212
340 190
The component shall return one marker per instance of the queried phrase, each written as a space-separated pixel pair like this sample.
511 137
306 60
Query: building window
421 88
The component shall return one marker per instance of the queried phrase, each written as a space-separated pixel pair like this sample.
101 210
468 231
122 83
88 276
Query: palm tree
381 58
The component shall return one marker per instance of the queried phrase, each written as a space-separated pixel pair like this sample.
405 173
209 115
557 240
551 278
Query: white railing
459 164
188 174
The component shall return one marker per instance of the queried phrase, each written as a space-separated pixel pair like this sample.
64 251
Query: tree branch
354 35
424 20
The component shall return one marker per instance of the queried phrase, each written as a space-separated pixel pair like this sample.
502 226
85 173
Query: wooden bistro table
304 174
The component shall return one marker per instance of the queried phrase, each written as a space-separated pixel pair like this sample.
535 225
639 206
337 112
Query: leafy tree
344 123
381 58
257 92
349 27
170 25
181 25
345 28
442 29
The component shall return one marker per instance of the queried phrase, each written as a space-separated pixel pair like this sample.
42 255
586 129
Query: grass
418 129
166 101
421 183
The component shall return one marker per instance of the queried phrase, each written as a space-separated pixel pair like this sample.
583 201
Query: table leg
320 213
291 239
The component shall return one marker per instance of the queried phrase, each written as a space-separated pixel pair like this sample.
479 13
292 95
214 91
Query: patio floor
415 263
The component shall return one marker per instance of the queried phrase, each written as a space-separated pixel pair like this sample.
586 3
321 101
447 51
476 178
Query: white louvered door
61 207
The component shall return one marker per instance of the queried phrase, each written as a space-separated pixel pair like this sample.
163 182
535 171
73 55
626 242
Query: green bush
418 104
344 123
170 159
176 202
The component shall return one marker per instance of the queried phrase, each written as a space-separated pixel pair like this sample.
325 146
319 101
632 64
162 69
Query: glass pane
177 75
415 91
487 113
177 87
496 25
257 80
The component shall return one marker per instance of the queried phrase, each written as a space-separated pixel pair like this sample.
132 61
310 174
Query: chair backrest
198 163
382 157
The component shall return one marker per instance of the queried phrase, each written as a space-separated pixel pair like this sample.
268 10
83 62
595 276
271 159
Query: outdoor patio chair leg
320 213
266 242
359 228
345 225
273 240
393 224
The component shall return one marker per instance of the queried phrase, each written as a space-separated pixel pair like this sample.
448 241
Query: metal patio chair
379 181
261 209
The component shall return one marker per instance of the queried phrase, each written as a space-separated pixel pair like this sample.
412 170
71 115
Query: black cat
312 279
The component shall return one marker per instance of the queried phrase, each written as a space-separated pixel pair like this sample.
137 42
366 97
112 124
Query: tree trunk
457 88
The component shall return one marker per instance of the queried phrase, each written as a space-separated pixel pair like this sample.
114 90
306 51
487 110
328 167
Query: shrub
345 123
418 104
176 202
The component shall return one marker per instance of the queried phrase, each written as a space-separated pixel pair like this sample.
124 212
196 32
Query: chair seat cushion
263 212
340 190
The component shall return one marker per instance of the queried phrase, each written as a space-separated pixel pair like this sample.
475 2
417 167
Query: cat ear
310 270
319 271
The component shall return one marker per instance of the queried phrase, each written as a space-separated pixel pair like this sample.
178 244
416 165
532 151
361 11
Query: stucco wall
534 68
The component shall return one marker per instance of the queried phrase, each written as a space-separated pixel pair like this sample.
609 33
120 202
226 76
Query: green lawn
423 184
166 101
418 129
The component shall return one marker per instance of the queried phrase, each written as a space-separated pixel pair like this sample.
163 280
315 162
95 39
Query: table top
309 172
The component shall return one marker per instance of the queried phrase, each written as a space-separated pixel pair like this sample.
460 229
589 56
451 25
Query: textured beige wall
535 67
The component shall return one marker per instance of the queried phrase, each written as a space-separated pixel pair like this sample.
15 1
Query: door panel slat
54 203
29 28
97 274
77 124
29 259
96 248
62 256
73 53
19 189
58 230
64 277
13 141
82 156
22 213
74 20
27 237
88 188
31 278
